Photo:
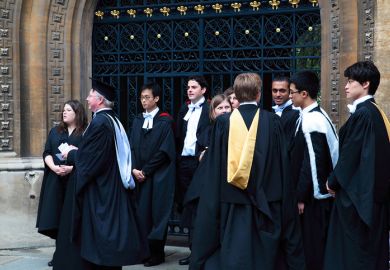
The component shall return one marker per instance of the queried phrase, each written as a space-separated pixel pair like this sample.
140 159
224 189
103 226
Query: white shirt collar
310 107
200 101
248 102
361 100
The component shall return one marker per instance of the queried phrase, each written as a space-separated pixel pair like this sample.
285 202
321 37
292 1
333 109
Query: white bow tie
351 108
191 109
148 122
193 106
278 109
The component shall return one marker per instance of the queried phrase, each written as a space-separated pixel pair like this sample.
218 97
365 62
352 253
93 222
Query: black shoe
185 261
50 263
154 261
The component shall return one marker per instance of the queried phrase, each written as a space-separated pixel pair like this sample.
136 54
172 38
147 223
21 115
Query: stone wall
20 185
382 52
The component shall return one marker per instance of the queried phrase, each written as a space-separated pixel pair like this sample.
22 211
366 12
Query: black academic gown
191 198
242 229
53 186
315 219
289 118
109 231
358 230
153 152
183 181
67 254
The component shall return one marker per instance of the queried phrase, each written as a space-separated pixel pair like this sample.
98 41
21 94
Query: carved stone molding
367 27
55 61
6 67
334 60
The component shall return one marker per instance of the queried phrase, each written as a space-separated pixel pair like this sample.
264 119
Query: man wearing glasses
153 153
313 155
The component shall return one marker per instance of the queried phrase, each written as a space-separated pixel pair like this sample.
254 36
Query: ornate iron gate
166 41
169 40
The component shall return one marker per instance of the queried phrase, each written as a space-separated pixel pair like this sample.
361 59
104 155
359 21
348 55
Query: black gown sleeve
158 159
304 186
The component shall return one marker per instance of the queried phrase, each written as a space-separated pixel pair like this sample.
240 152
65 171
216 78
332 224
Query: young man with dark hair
283 105
153 153
192 119
281 95
313 154
245 204
359 226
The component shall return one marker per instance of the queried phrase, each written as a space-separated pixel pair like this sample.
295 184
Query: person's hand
59 170
301 208
67 169
138 174
330 191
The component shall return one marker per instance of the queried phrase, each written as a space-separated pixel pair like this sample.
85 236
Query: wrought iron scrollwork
251 37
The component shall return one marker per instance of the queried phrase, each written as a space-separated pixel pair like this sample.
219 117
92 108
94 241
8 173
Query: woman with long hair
57 172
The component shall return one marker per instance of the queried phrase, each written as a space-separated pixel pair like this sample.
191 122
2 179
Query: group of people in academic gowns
261 190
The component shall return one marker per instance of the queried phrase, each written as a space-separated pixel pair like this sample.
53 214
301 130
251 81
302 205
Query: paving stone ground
22 248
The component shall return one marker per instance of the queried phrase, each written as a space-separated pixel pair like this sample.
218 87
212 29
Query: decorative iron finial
115 13
199 9
148 12
99 14
165 11
236 6
217 7
182 10
294 3
132 12
274 3
255 5
314 2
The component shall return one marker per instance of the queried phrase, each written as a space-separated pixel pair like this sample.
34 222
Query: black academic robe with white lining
315 219
358 230
153 152
242 229
109 233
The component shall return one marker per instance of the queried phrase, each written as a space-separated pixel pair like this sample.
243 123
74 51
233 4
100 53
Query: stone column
382 53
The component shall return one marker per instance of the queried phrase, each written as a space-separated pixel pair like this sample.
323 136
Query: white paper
64 147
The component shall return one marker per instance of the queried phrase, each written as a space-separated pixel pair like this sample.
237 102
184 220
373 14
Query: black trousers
186 167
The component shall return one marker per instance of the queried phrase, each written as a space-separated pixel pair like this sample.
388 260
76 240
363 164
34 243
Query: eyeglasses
145 97
293 92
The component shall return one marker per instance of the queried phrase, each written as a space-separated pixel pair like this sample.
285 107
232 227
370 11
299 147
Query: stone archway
46 58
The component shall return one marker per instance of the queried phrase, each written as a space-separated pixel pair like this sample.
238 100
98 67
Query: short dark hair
154 87
247 86
281 79
364 71
306 81
201 80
